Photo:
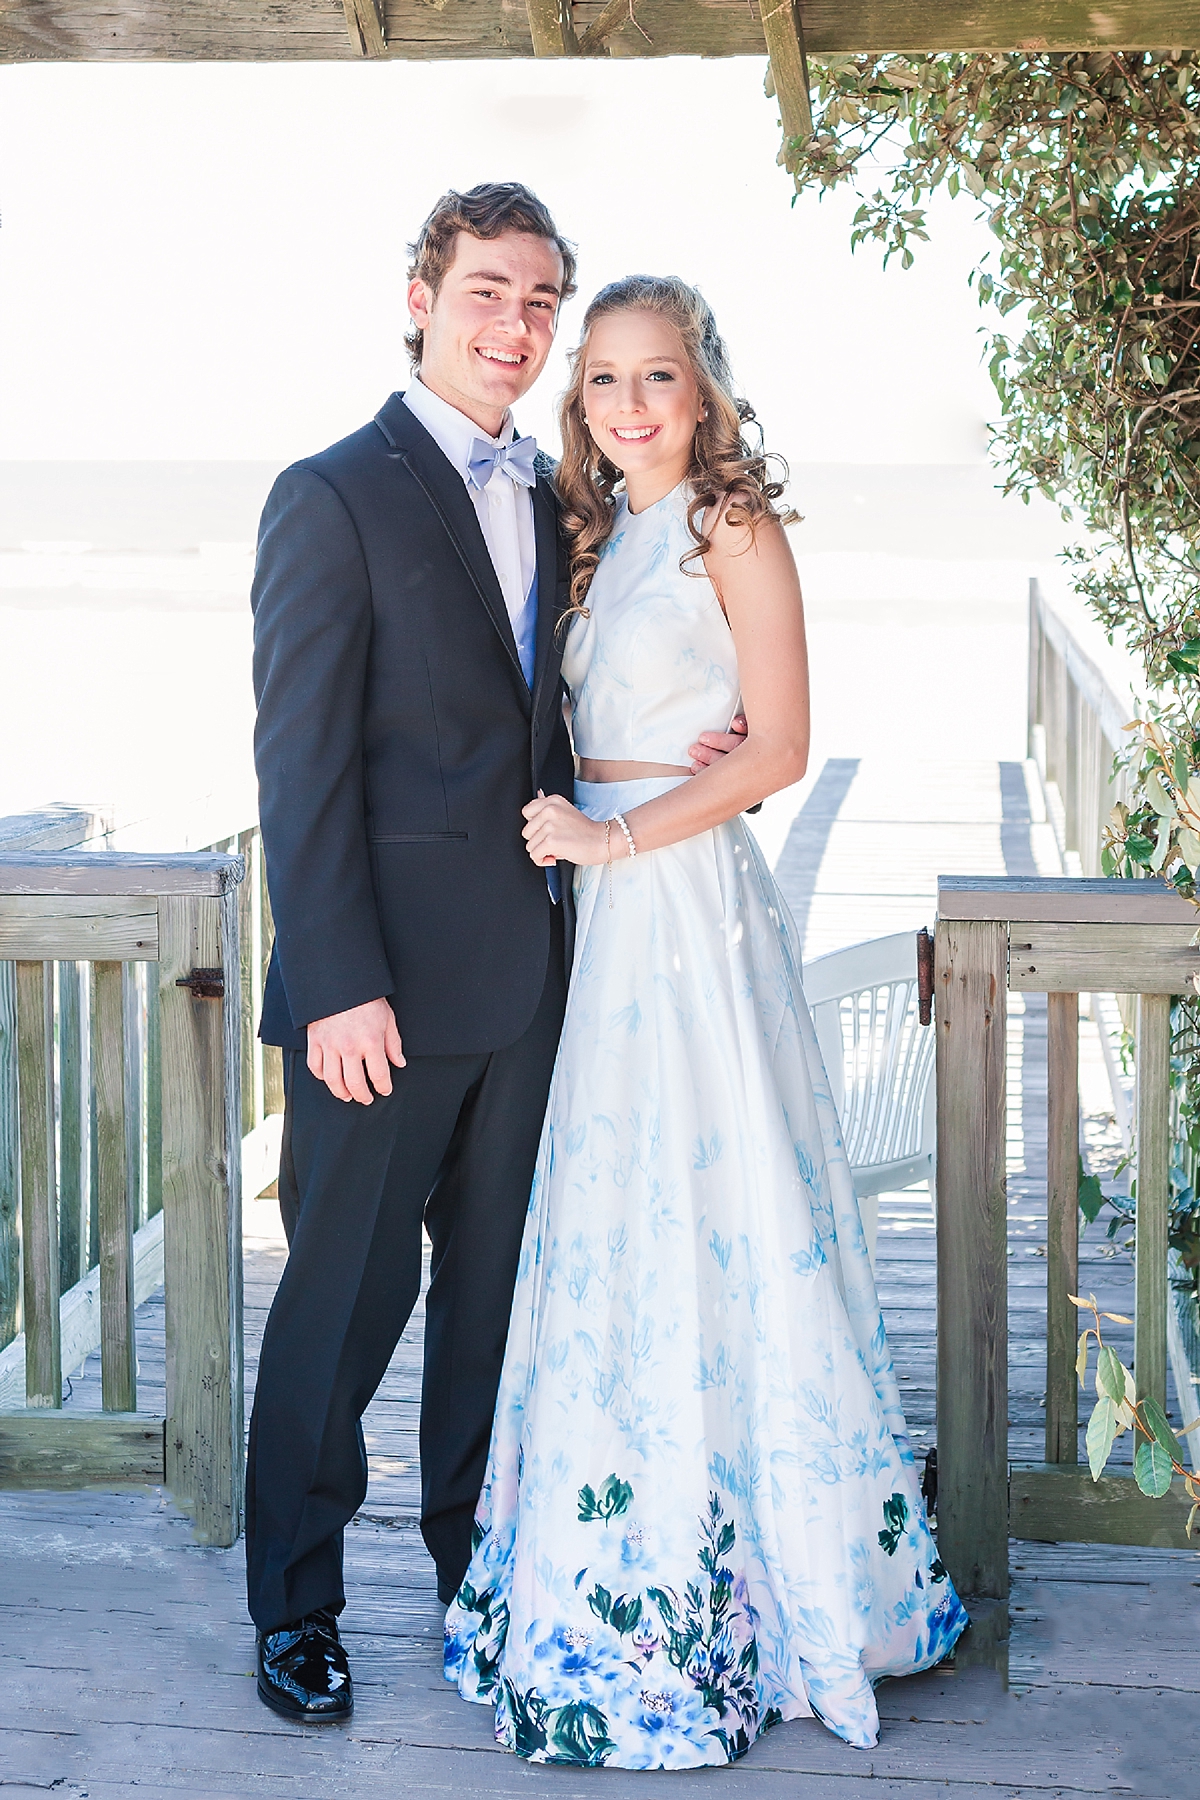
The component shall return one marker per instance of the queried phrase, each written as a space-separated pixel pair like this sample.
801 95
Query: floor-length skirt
701 1513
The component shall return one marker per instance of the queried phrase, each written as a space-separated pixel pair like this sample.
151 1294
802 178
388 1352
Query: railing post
114 1189
970 987
39 1196
201 1144
1153 1163
10 1236
1062 1226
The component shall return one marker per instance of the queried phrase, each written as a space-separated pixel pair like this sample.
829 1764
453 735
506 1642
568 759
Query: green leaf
1110 1376
1091 1196
1102 1428
1159 1424
1152 1469
1140 848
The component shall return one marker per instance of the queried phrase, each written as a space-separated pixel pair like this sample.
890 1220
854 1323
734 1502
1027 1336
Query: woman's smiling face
641 399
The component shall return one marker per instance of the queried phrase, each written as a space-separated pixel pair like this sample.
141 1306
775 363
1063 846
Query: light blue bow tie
515 458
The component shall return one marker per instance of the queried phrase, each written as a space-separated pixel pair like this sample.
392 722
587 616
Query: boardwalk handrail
1060 937
179 915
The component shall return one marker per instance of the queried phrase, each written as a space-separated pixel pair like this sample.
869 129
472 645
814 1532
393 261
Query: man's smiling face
489 328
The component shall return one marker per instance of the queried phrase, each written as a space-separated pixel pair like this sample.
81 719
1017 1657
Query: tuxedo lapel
446 492
548 657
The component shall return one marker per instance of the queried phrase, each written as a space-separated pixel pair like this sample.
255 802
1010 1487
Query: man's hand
712 745
346 1044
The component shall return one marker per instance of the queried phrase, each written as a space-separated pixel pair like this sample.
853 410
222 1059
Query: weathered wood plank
1069 900
365 26
202 1210
68 927
551 28
972 1337
153 1101
117 1348
115 872
79 1315
612 15
784 35
39 1197
1062 1229
231 30
51 827
1103 959
71 1450
1053 1504
1153 1194
73 1120
10 1233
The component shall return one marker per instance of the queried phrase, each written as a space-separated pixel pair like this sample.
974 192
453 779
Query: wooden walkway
126 1660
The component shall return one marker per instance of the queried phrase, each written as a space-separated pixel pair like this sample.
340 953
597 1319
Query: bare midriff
594 769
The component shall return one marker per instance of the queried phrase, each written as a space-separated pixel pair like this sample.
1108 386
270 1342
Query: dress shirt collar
451 430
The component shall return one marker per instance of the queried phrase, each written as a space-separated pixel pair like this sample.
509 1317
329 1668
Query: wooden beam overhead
784 34
551 28
367 26
616 14
420 30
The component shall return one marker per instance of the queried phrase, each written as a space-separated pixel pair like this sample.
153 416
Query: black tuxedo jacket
396 744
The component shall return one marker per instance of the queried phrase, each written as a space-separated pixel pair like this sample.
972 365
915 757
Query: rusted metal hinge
925 976
204 984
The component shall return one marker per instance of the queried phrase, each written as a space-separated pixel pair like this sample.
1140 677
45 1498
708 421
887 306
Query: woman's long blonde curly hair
724 466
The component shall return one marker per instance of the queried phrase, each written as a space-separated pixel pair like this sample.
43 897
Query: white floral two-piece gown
701 1513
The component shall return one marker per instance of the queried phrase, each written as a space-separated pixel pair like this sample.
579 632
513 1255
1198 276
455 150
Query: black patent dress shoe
303 1672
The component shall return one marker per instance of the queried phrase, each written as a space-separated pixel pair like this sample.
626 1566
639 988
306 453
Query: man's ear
420 302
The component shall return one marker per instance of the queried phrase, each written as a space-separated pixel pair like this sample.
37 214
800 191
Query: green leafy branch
1158 1455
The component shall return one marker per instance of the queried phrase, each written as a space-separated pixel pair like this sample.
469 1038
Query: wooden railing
1082 693
124 1018
1061 938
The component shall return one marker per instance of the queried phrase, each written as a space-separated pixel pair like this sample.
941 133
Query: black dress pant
454 1144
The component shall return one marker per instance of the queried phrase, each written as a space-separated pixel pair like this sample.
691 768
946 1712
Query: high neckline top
653 664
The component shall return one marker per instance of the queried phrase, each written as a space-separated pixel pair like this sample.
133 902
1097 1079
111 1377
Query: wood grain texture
1102 959
69 927
784 37
51 827
1069 900
1062 1227
201 1207
105 872
551 28
365 26
248 30
79 1318
39 1196
65 1450
1153 1189
972 1274
1053 1505
10 1231
117 1348
73 1123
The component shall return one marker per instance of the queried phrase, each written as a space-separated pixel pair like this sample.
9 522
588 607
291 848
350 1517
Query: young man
409 704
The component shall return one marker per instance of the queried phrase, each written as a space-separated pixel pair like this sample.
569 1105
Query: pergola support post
551 28
783 30
367 27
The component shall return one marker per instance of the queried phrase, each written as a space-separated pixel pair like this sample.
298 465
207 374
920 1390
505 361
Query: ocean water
125 630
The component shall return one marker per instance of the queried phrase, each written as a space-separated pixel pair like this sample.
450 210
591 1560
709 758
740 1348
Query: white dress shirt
503 506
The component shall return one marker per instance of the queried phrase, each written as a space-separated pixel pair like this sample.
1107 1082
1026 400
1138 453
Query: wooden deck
126 1662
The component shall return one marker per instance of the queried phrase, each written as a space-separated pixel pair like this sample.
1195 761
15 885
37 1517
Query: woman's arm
756 580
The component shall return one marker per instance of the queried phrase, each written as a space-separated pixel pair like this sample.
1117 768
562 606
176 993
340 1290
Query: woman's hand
557 831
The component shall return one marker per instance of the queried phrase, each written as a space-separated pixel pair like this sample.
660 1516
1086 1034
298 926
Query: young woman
701 1513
